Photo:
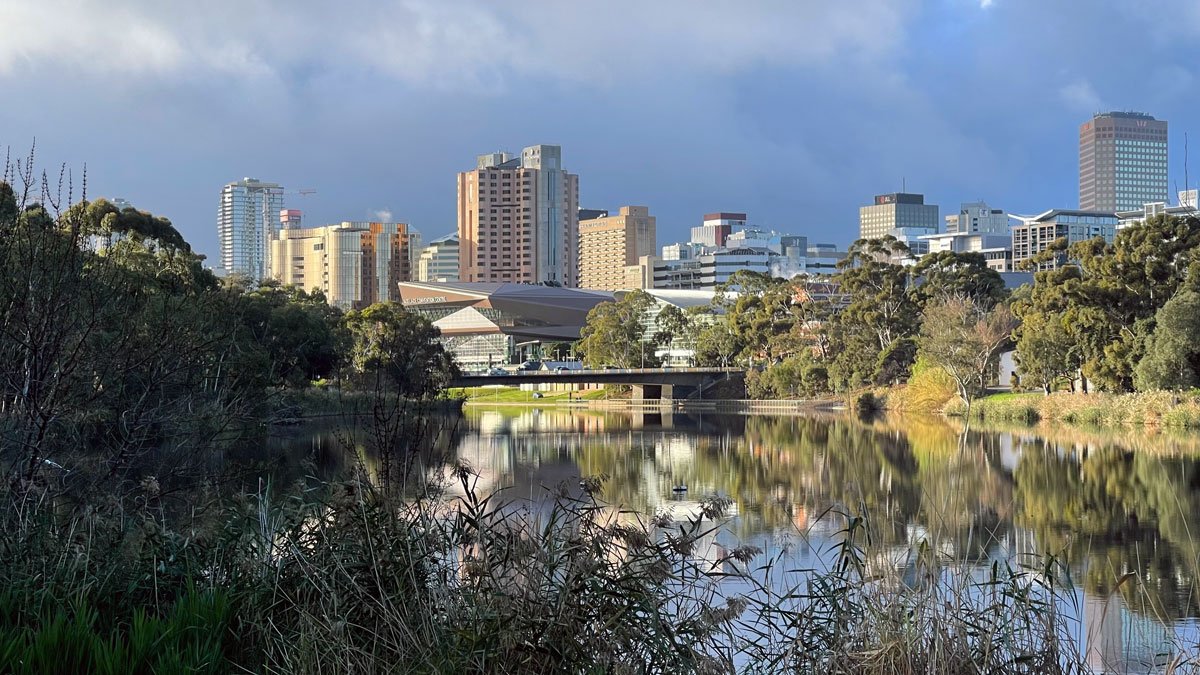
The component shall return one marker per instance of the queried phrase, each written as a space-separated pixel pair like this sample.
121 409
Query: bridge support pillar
646 392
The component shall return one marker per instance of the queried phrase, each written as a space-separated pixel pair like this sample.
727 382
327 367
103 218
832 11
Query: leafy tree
965 340
802 375
948 274
300 331
557 351
674 326
894 363
1172 358
1107 294
1046 350
615 333
392 346
756 309
880 311
126 356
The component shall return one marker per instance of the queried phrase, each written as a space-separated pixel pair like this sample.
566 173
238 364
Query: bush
929 389
869 402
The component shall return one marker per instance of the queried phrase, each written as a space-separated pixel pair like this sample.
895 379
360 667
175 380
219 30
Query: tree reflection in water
1118 507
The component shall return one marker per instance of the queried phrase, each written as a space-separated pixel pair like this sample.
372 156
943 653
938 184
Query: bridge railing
606 371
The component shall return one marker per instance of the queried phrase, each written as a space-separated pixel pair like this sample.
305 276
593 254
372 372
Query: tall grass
351 578
1166 409
864 615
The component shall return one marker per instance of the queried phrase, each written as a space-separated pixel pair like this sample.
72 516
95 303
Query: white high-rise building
247 220
438 261
977 218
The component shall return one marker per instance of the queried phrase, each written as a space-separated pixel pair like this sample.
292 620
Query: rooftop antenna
903 184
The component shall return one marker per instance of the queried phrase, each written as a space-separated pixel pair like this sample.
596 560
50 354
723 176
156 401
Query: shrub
929 389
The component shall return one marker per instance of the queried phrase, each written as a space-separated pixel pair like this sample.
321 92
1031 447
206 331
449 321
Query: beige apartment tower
353 264
609 244
518 219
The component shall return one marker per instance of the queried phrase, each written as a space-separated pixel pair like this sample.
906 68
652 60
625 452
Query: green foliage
880 311
300 332
674 326
397 350
190 638
126 351
615 333
125 357
1047 352
1172 358
751 313
894 363
799 376
957 275
1096 314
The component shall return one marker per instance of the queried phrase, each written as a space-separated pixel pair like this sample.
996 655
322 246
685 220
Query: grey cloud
432 42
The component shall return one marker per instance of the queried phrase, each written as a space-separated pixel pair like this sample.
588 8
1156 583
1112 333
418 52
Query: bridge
669 384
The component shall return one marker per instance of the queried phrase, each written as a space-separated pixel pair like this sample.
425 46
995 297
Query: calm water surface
1109 504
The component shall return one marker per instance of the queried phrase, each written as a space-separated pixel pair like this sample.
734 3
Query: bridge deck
633 376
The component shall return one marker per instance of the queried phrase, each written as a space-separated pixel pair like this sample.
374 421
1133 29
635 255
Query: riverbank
1160 409
602 400
290 406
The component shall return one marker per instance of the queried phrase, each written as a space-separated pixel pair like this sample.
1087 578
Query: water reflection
1118 508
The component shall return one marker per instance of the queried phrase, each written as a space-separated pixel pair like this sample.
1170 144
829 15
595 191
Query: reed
350 578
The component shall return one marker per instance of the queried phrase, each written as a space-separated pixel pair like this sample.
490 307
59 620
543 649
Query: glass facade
247 219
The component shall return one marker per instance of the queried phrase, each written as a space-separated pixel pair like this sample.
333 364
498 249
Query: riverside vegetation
126 546
1114 318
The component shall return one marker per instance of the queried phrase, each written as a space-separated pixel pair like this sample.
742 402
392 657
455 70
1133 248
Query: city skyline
796 117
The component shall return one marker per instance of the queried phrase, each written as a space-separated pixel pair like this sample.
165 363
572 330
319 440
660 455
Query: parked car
497 371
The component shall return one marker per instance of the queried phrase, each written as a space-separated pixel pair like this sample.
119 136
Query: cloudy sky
795 111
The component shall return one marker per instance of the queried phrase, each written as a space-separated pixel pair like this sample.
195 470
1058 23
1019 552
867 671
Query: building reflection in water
1110 505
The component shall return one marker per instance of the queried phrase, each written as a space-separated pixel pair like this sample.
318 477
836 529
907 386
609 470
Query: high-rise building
247 220
1034 234
977 218
896 211
354 264
976 228
717 227
1122 162
608 245
518 219
291 218
438 261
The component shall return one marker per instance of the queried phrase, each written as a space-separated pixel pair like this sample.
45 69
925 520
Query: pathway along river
1110 503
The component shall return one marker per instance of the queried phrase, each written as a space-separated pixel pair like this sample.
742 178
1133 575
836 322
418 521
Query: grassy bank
1165 409
516 395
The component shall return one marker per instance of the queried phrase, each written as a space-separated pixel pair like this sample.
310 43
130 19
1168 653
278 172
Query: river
1119 508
